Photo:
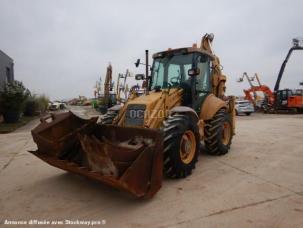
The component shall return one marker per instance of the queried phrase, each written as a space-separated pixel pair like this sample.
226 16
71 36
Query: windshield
172 71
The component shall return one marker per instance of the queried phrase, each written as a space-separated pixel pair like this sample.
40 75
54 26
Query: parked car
57 106
244 107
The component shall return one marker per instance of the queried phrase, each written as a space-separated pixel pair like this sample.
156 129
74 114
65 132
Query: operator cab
181 68
281 100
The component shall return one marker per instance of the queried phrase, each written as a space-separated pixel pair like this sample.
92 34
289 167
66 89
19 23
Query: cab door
201 83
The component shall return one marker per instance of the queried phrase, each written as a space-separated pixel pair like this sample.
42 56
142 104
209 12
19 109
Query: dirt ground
258 184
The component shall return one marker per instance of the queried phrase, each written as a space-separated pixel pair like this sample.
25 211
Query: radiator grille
134 115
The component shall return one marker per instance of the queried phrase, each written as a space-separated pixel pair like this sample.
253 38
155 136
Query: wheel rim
226 133
188 147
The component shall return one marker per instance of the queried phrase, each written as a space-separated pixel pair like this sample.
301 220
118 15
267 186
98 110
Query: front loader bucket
126 158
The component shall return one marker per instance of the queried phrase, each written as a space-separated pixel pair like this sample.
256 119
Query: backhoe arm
206 45
218 79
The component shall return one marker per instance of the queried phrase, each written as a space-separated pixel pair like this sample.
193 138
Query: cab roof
185 50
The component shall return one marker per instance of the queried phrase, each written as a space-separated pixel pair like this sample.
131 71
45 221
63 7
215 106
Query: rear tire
181 145
218 133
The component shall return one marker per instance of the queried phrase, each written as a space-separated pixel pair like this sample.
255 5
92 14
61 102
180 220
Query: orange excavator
255 99
280 100
287 100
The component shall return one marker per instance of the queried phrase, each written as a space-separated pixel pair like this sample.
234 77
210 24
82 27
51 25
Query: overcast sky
62 47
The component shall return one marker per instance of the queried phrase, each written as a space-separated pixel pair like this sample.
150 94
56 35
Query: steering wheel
174 80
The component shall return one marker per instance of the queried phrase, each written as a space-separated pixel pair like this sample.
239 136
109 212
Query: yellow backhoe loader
159 132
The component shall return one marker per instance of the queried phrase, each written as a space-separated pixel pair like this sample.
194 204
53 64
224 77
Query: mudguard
211 106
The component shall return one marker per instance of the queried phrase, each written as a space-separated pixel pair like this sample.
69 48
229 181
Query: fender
184 109
210 106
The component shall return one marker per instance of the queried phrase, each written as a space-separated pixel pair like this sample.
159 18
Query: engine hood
155 107
153 97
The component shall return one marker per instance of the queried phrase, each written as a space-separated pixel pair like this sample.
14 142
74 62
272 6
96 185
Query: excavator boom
108 79
277 85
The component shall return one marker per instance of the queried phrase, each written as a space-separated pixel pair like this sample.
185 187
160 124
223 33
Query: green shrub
12 99
36 105
43 102
31 107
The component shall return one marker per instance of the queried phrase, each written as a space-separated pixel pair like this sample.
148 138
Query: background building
6 68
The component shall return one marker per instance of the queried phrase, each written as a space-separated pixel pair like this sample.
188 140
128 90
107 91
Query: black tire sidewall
174 151
214 145
109 117
222 147
189 125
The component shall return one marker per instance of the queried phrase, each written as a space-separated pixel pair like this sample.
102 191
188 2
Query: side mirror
193 72
139 76
137 63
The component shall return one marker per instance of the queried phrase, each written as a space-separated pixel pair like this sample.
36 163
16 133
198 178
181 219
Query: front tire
181 145
108 117
218 133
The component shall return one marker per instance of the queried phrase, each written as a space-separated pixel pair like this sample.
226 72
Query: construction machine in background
159 132
260 103
118 89
109 99
122 87
248 96
287 100
280 100
108 81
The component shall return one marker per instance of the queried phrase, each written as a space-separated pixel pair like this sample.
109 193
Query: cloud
62 47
